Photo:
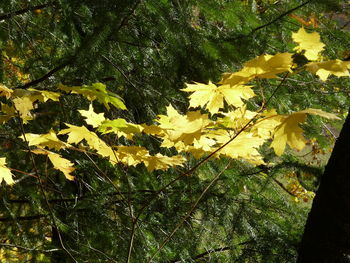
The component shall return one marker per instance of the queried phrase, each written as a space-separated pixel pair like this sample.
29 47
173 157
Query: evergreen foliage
145 51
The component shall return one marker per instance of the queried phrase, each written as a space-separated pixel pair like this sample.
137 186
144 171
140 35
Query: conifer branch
25 10
100 33
270 22
22 218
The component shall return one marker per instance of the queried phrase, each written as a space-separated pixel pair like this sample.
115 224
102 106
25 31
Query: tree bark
327 232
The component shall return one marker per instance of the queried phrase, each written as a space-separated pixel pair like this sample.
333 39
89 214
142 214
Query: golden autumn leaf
183 128
289 131
162 162
62 164
244 146
120 127
77 134
235 119
134 155
48 140
335 67
58 162
8 112
308 42
5 91
24 105
46 95
212 97
152 129
5 173
92 118
264 66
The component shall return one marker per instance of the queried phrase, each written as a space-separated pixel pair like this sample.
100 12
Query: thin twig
188 214
190 171
27 248
21 218
43 191
269 23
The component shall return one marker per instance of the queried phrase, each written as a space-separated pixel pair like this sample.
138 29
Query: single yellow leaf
335 67
162 162
244 146
77 134
24 105
8 113
48 140
5 91
92 118
58 162
212 96
46 95
134 155
152 129
120 127
62 164
289 132
183 128
308 42
96 91
264 66
5 173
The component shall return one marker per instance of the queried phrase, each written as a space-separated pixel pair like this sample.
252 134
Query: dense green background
145 51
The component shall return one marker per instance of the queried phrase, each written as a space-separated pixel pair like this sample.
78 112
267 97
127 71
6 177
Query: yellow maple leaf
264 66
5 91
48 140
289 132
308 42
96 91
266 125
8 113
235 119
46 95
120 127
62 164
212 96
92 118
244 146
58 162
77 134
5 173
24 105
335 67
162 162
152 129
134 155
183 128
199 148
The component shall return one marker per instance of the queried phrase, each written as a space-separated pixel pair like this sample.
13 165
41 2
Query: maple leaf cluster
219 123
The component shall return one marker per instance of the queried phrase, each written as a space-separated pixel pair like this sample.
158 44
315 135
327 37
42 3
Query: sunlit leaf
48 140
58 162
96 91
92 118
264 66
212 97
308 42
5 91
5 173
24 106
333 67
289 131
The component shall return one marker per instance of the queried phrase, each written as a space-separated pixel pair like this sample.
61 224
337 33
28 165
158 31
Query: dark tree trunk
327 232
